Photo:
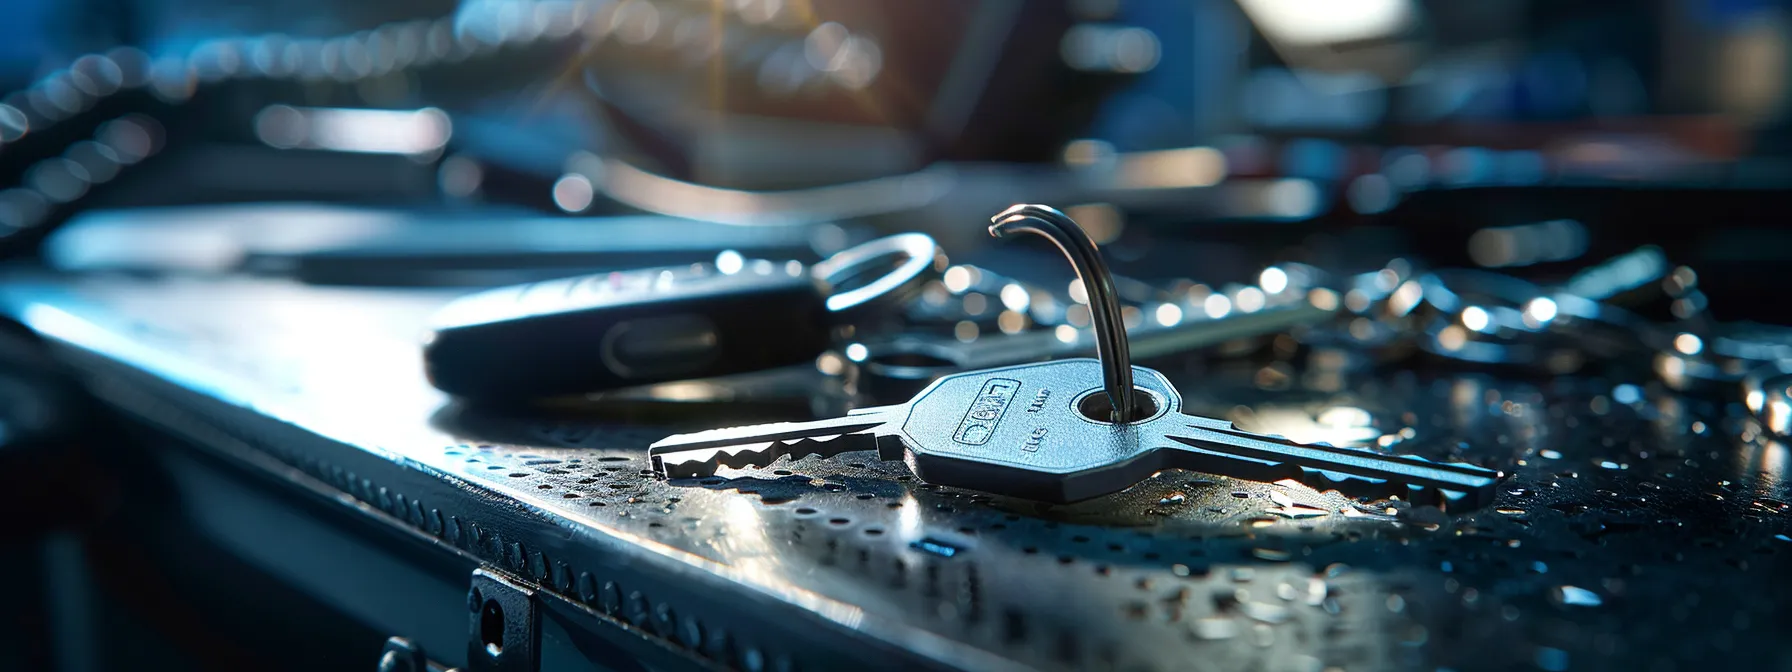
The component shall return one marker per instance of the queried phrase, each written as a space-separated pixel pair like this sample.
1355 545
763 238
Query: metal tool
611 330
978 295
1724 354
1491 318
1048 432
899 366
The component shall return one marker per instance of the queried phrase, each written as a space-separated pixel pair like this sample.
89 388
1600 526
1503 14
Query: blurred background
1634 152
1160 120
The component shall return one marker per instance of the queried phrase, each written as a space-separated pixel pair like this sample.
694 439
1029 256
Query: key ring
1725 357
1491 318
892 289
1766 392
1104 306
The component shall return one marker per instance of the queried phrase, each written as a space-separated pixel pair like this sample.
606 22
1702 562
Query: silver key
1038 431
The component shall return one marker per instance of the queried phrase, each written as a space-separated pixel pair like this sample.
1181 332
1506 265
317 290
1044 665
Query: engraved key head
1032 430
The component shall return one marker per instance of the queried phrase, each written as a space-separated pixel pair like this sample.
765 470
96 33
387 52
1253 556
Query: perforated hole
1096 406
491 627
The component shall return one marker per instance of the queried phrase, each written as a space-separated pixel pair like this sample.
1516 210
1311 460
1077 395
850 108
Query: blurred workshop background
915 115
458 145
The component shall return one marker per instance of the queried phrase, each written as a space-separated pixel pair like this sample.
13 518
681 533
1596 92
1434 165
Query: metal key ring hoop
1098 283
1526 323
1765 392
917 251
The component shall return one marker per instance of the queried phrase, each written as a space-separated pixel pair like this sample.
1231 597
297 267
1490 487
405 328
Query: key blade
1218 447
699 454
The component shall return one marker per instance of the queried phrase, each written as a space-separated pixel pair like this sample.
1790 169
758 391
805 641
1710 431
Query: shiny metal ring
917 251
1765 392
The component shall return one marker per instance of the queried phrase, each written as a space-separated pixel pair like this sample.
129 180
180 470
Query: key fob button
660 347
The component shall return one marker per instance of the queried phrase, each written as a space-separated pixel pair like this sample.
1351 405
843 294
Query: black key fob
611 330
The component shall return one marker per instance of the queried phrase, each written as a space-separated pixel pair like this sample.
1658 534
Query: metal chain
66 95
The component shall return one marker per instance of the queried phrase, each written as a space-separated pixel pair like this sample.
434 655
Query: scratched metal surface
1639 529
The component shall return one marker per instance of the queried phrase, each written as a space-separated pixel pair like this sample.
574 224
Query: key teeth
1354 485
746 456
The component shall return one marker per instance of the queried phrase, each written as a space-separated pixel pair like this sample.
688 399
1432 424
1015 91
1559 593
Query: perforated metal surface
1639 529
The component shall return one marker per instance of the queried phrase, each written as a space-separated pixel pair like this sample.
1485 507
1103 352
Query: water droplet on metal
1267 613
1271 554
1575 596
1216 627
1316 592
1287 591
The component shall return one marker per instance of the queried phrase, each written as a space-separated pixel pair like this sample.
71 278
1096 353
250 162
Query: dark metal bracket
504 625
